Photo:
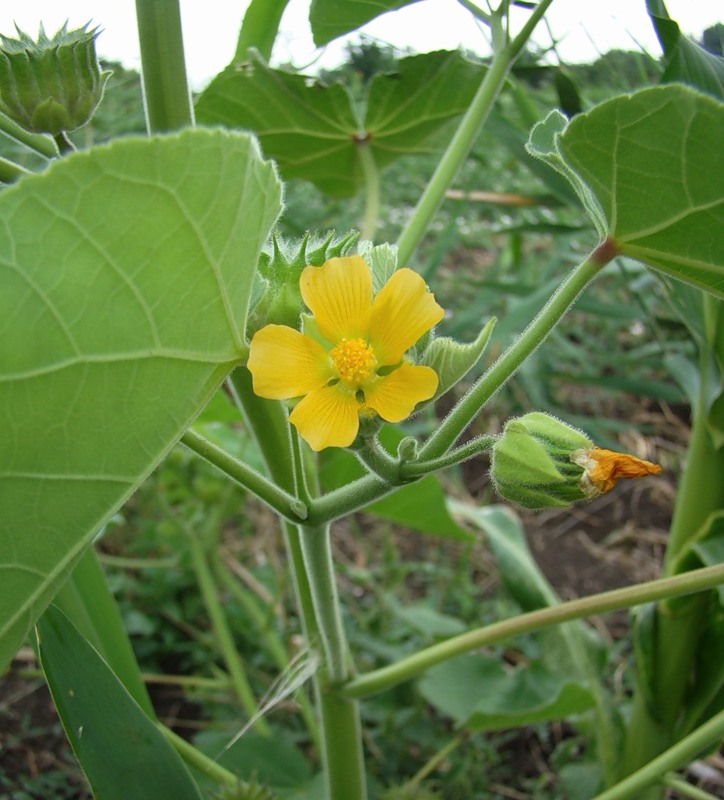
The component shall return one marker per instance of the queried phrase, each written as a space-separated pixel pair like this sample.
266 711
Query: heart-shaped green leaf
684 59
478 693
644 167
126 273
313 131
332 18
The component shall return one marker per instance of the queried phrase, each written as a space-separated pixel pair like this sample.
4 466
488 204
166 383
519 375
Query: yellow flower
602 468
359 367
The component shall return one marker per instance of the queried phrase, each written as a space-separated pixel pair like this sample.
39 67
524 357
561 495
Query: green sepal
382 261
452 360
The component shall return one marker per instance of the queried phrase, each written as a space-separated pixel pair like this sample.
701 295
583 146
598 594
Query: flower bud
541 462
531 462
54 84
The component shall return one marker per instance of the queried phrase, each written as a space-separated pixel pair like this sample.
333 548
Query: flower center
354 360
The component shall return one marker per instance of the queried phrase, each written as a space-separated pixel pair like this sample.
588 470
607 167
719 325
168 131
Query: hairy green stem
372 189
682 752
434 762
166 95
352 497
377 460
341 729
506 366
701 488
685 789
40 143
476 446
286 505
475 10
464 137
343 762
308 548
407 668
316 550
267 422
10 171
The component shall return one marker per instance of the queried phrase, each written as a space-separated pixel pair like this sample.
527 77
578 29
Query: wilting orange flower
355 366
604 467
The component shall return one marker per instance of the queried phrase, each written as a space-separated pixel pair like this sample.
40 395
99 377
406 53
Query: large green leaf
645 168
122 752
332 18
125 273
313 131
685 60
480 695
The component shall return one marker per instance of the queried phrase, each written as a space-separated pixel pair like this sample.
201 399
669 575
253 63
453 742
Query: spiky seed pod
277 298
53 84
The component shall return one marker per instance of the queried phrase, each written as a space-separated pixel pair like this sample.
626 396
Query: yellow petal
402 312
285 363
607 466
339 294
394 396
327 417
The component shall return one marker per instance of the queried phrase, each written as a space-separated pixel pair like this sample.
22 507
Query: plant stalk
198 760
685 789
660 707
465 135
39 143
681 753
166 95
285 504
10 171
506 366
372 190
380 679
308 548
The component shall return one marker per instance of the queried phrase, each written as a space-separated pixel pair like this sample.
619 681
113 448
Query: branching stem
407 668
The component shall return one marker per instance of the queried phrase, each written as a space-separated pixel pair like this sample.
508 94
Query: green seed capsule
54 84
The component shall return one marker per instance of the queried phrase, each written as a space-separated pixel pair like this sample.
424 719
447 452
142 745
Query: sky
584 29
